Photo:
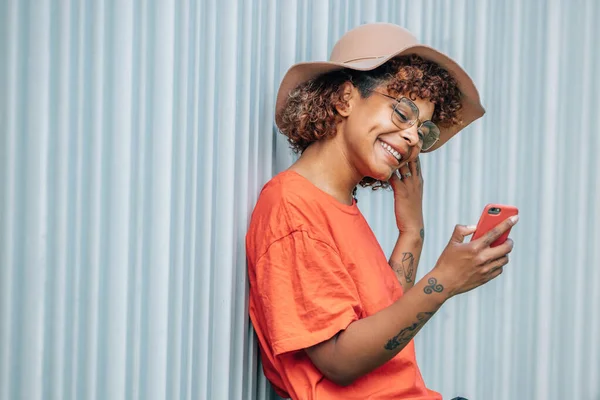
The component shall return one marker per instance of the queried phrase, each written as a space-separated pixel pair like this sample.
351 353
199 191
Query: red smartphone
491 216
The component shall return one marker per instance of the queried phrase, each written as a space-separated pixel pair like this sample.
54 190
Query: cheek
368 122
381 121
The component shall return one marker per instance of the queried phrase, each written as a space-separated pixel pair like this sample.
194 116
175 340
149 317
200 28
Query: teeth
392 151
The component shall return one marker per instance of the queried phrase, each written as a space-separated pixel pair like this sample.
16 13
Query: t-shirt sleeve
305 291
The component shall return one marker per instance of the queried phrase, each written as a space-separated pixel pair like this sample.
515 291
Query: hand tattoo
406 334
433 286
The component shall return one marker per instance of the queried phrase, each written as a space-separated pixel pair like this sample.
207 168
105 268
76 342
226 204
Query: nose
411 135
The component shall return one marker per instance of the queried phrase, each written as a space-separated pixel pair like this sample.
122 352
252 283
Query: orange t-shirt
315 266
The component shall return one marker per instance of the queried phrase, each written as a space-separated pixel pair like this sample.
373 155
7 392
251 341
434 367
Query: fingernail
514 219
471 227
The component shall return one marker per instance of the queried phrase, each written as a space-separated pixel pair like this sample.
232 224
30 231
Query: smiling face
372 143
317 110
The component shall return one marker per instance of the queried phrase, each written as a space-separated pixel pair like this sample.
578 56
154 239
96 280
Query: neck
326 165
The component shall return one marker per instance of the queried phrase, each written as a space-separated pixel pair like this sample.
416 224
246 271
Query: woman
334 318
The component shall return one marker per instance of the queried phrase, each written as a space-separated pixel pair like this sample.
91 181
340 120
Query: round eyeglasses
406 113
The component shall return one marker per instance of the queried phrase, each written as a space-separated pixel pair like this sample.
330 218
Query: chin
381 175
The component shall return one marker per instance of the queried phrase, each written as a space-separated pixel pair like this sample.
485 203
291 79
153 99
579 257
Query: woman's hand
465 266
408 197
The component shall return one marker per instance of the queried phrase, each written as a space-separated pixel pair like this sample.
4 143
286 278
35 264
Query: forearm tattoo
422 234
408 263
433 286
396 267
406 334
405 268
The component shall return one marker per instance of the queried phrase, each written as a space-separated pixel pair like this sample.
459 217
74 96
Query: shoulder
285 205
282 202
290 192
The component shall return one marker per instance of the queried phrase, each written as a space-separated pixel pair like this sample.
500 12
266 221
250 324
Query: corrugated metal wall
135 137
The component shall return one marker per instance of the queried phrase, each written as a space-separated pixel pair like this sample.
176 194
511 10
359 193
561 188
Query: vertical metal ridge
9 41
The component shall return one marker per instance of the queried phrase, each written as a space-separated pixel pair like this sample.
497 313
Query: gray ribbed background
134 140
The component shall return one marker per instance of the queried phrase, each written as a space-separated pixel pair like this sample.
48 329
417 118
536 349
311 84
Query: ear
348 96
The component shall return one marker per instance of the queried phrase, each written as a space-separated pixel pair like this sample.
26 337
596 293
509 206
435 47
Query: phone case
489 220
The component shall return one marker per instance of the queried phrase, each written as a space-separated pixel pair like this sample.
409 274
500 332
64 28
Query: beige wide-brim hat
367 47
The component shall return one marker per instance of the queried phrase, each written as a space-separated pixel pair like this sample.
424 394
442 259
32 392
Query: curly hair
310 113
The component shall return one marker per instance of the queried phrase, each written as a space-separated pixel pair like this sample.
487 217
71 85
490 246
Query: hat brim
471 104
